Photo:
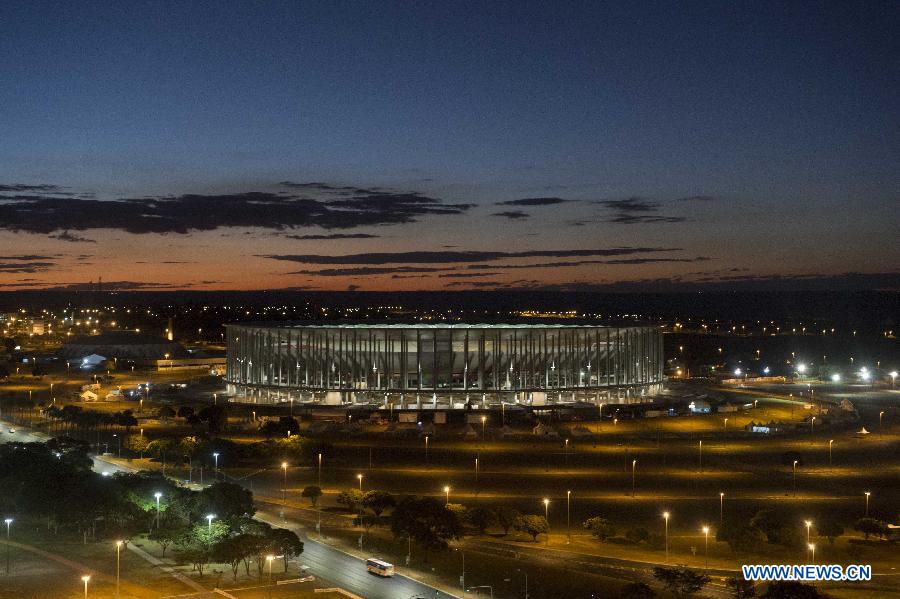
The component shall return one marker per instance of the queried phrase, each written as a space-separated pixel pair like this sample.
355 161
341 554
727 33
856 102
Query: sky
648 146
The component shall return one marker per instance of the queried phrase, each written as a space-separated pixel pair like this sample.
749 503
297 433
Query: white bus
379 567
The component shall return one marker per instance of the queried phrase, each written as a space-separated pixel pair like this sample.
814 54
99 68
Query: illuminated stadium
446 366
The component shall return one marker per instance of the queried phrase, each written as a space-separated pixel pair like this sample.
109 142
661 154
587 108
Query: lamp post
216 458
633 466
118 563
706 547
808 526
701 455
547 517
794 477
8 521
721 508
359 477
447 493
426 448
483 421
320 470
85 579
284 481
476 471
666 518
568 516
868 493
830 443
209 519
157 495
269 560
812 550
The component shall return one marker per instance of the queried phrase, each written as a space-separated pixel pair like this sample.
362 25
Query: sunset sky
449 145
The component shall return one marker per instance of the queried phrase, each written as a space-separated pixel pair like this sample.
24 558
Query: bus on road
379 567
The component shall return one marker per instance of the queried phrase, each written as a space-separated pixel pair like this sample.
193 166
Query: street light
568 516
794 476
893 375
118 561
483 421
320 470
216 458
85 579
157 495
721 508
830 443
808 525
8 521
359 477
868 493
666 518
269 560
209 519
633 466
706 547
701 455
447 493
426 448
812 549
284 481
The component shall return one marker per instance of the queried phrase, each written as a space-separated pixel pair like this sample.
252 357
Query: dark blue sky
783 117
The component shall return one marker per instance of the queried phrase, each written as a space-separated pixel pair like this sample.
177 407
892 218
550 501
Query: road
345 570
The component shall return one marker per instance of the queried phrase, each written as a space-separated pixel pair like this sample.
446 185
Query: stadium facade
443 366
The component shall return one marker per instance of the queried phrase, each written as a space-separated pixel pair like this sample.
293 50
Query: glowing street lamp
8 521
568 515
830 443
794 477
157 495
118 561
721 508
665 516
633 467
808 525
893 375
447 493
546 503
216 458
706 547
209 519
85 579
284 467
483 421
868 493
812 549
835 378
801 368
359 477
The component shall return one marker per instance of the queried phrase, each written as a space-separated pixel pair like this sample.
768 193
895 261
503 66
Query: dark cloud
447 257
72 238
583 262
633 219
512 214
366 271
695 199
356 207
533 202
465 275
333 236
630 205
39 187
26 263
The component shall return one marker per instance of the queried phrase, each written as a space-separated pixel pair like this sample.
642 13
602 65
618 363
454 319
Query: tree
165 412
286 543
350 499
740 537
312 492
532 524
599 527
506 517
770 522
226 500
740 588
637 535
233 551
166 535
682 582
480 518
378 502
830 528
791 590
185 412
637 590
426 521
215 417
871 526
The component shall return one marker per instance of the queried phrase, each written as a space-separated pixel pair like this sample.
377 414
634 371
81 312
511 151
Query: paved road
349 571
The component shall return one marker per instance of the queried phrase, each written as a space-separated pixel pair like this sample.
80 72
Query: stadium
443 366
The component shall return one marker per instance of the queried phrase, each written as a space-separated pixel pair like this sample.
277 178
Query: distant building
122 345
